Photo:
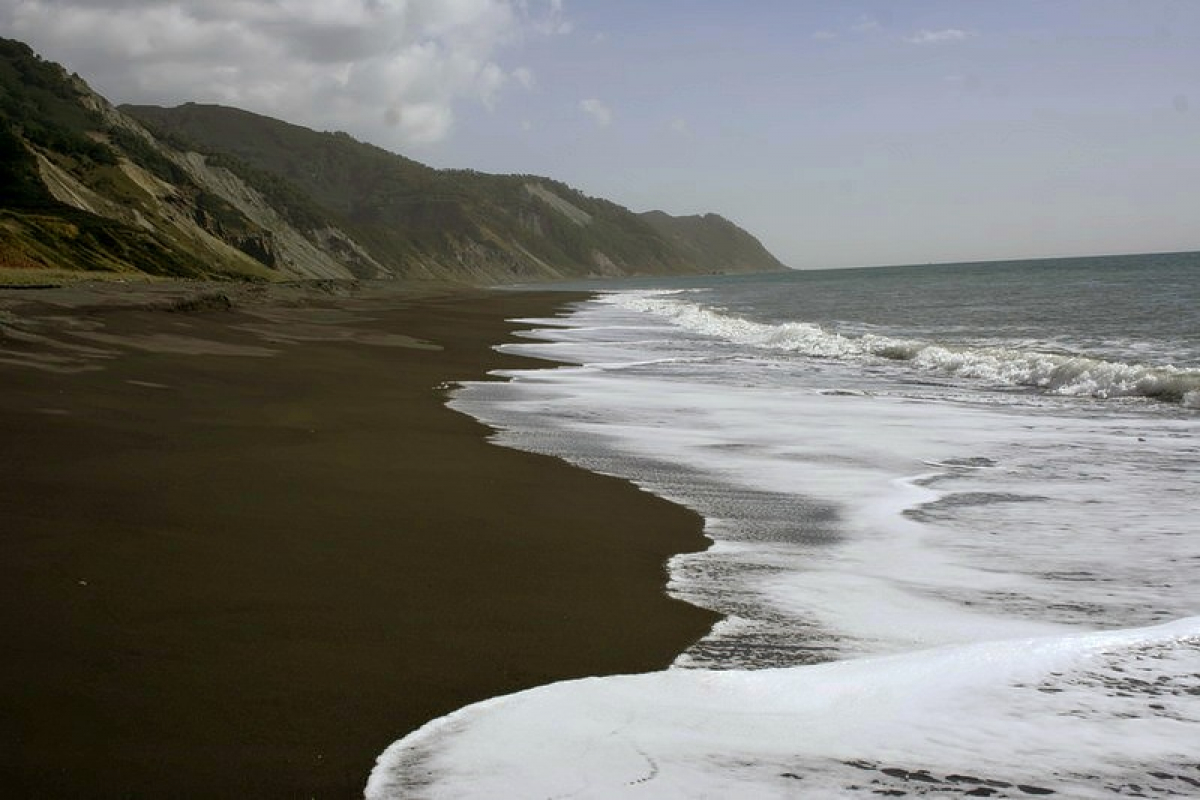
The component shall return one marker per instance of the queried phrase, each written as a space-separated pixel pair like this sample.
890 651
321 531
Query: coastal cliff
215 192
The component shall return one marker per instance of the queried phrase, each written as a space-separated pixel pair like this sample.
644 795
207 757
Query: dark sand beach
245 548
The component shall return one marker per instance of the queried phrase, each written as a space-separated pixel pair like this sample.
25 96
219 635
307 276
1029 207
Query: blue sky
840 133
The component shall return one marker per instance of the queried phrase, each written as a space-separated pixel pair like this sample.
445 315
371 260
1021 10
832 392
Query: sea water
955 524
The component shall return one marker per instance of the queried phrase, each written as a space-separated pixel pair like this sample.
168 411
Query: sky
853 133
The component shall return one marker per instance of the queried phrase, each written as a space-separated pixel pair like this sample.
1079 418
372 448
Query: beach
953 538
245 545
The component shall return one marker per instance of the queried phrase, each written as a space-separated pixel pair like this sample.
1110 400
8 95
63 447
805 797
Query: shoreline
248 546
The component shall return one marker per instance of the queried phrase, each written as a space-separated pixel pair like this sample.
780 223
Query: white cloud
388 71
524 76
934 37
553 22
865 24
824 35
680 126
597 110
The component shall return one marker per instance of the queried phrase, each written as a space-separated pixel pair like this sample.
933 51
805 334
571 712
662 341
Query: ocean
955 524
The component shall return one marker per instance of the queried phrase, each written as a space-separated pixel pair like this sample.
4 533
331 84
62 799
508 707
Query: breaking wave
1055 373
1080 715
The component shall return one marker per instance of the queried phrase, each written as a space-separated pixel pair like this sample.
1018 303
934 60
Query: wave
1088 714
1055 373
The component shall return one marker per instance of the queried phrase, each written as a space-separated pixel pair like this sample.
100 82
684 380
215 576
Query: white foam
1069 523
1081 715
858 516
1056 373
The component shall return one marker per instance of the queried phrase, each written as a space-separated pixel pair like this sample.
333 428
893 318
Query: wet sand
244 546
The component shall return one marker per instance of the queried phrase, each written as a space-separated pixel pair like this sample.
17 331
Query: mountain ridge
216 192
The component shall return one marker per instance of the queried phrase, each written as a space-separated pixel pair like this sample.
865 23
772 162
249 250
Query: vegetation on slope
713 243
210 191
408 213
40 107
44 111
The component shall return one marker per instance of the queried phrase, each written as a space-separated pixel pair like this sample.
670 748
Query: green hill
203 190
711 243
56 152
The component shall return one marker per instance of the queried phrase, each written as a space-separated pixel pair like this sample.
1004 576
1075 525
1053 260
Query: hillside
712 243
209 191
504 225
70 198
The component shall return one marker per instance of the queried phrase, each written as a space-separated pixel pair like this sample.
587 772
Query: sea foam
956 551
1055 373
1082 715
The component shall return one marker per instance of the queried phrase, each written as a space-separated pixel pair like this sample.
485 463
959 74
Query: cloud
935 37
524 76
597 110
824 35
866 23
554 21
680 126
392 72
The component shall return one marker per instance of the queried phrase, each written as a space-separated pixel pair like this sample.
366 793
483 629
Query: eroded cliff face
196 205
147 203
422 222
325 252
207 191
